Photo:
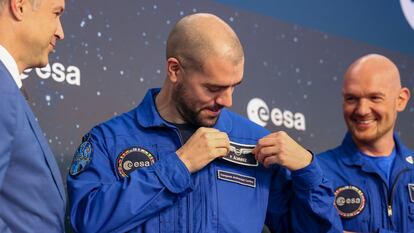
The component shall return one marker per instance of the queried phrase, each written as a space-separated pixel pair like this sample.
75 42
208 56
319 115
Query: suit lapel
45 148
39 136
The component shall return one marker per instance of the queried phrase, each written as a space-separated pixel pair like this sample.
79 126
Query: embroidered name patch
411 191
133 158
236 178
82 157
349 201
241 154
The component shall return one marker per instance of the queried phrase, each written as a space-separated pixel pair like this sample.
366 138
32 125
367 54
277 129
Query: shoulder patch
349 201
241 154
133 158
411 192
82 157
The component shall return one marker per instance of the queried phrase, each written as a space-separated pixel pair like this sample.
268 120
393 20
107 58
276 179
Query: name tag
241 154
236 178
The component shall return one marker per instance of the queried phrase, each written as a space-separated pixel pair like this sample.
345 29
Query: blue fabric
165 197
383 164
32 196
344 165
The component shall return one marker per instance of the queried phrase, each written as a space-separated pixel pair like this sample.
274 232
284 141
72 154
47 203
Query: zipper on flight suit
390 197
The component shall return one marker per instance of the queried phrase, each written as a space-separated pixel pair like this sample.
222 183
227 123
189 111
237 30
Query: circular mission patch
349 201
133 158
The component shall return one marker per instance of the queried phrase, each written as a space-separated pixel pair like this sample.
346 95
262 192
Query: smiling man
372 171
32 196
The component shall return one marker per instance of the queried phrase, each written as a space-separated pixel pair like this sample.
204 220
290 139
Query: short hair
192 44
35 4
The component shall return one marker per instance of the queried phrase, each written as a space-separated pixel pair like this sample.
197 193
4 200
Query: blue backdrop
296 53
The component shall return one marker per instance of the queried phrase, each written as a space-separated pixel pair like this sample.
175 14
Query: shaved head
375 66
205 62
199 36
372 98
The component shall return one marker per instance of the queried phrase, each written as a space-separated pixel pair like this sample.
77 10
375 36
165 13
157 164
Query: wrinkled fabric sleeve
302 201
102 202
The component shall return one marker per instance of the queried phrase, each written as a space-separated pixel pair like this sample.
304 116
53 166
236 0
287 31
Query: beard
382 127
188 110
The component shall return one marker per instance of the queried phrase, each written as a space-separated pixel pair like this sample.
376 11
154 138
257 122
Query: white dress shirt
11 65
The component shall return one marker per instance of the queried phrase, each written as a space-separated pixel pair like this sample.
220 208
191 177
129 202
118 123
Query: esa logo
408 10
340 201
57 72
258 112
128 165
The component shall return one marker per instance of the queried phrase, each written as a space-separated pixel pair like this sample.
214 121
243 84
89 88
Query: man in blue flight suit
372 171
32 196
182 162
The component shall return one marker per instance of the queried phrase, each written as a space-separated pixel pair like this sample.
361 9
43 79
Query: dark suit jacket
32 196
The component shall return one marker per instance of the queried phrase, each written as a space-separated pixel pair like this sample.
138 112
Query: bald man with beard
372 171
182 162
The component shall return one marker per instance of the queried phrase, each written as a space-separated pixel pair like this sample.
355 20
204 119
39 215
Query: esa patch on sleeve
241 154
82 157
133 158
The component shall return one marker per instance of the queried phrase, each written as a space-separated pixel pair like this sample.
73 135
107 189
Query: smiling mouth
363 123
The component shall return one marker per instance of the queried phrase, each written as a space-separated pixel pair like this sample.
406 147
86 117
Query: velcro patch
411 192
133 158
241 154
349 201
82 157
236 178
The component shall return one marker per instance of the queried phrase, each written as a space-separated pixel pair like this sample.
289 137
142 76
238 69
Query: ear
18 7
402 99
173 69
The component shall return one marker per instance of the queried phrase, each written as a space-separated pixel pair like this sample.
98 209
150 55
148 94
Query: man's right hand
205 145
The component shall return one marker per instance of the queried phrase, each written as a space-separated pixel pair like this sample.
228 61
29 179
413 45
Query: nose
225 98
362 107
59 31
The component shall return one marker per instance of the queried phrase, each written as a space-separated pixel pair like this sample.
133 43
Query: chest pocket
240 195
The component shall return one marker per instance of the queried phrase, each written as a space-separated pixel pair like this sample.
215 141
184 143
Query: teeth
363 122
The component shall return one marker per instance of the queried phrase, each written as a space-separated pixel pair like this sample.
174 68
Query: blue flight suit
160 195
32 196
377 206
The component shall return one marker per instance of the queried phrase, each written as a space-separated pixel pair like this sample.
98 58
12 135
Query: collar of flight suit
148 115
353 157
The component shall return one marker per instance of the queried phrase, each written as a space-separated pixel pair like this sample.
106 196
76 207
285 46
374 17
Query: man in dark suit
32 197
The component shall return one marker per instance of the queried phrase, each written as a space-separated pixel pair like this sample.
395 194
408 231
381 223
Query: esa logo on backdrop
259 112
57 72
408 10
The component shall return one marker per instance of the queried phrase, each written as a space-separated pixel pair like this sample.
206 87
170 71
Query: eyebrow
224 86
